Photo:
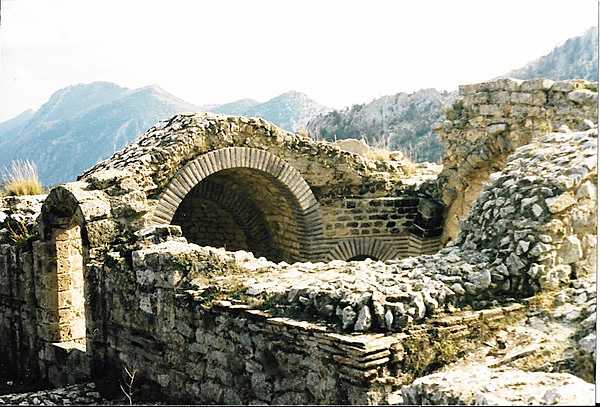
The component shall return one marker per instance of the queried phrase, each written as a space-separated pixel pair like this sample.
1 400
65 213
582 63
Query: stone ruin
224 260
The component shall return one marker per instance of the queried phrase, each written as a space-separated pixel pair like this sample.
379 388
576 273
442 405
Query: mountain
399 122
237 108
576 58
15 124
82 124
290 111
76 99
403 122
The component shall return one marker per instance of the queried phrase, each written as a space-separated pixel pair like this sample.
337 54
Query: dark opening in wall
242 209
362 257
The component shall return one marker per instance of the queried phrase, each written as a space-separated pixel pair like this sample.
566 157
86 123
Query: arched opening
362 248
63 257
362 257
243 198
242 209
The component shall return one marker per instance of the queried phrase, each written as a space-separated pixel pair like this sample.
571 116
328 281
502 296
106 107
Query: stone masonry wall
204 324
309 179
532 229
256 331
42 289
399 223
18 318
490 120
156 318
43 280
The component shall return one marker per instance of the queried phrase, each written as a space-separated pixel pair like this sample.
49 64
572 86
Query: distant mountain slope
398 122
76 99
14 125
576 58
82 124
403 122
239 107
290 111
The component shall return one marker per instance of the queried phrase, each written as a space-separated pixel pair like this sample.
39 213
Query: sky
216 51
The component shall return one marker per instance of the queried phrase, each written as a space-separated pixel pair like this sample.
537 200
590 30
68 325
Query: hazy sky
338 52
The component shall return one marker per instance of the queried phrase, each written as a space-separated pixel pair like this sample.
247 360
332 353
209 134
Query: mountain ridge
414 135
57 136
577 57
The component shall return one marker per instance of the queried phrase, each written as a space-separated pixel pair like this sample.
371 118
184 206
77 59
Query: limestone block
476 384
363 321
570 251
469 89
583 96
131 204
537 85
101 232
560 203
495 129
499 97
490 110
587 191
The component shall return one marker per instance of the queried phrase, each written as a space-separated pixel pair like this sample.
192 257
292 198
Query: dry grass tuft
22 179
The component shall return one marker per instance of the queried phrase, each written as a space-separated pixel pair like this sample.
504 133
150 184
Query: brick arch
297 191
362 246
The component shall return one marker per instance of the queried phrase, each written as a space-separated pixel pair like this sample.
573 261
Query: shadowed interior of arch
362 257
242 209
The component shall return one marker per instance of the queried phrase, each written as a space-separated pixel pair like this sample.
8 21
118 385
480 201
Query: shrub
22 179
18 232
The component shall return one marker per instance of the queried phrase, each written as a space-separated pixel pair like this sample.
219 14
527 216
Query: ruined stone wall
42 274
159 316
228 327
533 228
18 308
204 324
400 226
538 216
296 185
490 120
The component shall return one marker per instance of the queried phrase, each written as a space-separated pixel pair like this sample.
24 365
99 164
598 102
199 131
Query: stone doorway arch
243 198
65 253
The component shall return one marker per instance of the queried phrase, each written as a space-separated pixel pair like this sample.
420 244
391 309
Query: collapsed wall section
490 120
163 319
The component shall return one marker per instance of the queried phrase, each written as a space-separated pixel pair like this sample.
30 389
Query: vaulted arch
242 192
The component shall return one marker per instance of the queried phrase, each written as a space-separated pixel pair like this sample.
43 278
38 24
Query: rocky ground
546 359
